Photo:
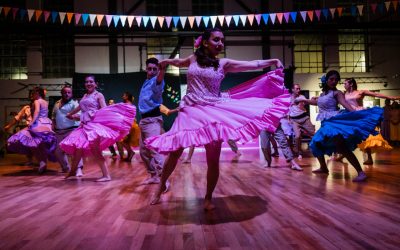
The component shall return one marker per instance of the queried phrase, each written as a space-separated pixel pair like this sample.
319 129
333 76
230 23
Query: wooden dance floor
257 208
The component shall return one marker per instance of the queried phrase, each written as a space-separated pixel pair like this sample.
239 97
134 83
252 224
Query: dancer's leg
213 153
76 160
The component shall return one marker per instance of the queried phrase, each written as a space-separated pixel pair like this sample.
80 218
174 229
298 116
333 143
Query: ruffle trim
375 144
220 132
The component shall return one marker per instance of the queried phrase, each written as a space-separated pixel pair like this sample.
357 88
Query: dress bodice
43 110
89 105
328 106
203 85
354 99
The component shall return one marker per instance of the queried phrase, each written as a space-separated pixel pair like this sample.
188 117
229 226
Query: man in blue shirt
151 124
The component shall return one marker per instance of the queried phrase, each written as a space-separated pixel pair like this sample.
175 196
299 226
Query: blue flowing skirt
354 127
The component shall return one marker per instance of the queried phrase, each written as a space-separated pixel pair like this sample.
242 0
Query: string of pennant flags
33 15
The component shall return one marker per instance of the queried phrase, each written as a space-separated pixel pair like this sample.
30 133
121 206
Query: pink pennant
318 14
46 15
250 17
14 12
77 18
373 7
138 20
130 21
191 21
161 20
109 19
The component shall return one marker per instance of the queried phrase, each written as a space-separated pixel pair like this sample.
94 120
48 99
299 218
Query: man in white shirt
299 118
63 126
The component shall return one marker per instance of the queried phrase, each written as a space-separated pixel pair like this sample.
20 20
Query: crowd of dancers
206 117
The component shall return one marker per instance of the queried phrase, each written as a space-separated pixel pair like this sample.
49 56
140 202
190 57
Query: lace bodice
328 106
89 105
203 86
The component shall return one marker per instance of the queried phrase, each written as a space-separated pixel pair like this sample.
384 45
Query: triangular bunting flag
325 12
340 11
353 10
14 12
395 5
293 15
130 21
62 16
160 20
38 13
116 20
30 14
1 8
183 21
213 20
360 9
286 15
145 20
109 19
54 15
6 10
92 17
381 7
77 18
387 4
236 20
168 20
250 17
243 19
258 18
191 21
228 20
272 17
310 15
46 16
69 17
22 13
198 20
265 17
303 15
175 20
373 7
280 17
206 20
332 10
318 14
153 20
99 19
221 20
85 18
138 20
123 20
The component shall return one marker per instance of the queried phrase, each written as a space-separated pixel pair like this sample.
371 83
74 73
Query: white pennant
30 14
213 20
123 20
62 16
92 17
183 21
243 19
228 20
198 20
153 20
221 20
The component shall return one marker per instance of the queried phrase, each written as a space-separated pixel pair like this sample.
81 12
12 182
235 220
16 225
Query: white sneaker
167 186
296 166
299 157
79 172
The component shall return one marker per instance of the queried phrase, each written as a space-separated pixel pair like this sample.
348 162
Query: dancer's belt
299 116
152 113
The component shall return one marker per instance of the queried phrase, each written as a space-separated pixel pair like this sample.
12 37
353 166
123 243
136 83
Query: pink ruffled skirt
253 106
109 124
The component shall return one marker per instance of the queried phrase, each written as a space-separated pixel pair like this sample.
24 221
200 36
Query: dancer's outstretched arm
379 95
177 62
240 66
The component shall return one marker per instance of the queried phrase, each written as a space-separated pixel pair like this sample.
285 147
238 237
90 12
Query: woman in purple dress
101 126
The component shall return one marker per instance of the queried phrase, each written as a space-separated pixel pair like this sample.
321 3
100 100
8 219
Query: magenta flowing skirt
253 106
109 125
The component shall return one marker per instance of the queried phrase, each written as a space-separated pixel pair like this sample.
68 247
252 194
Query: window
207 7
352 53
58 57
13 58
162 7
308 54
163 49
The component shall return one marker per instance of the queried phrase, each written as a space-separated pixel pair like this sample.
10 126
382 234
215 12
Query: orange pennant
395 5
69 16
6 10
38 13
99 19
340 11
310 14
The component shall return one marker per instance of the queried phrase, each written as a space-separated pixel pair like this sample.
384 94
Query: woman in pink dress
101 126
37 139
208 117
